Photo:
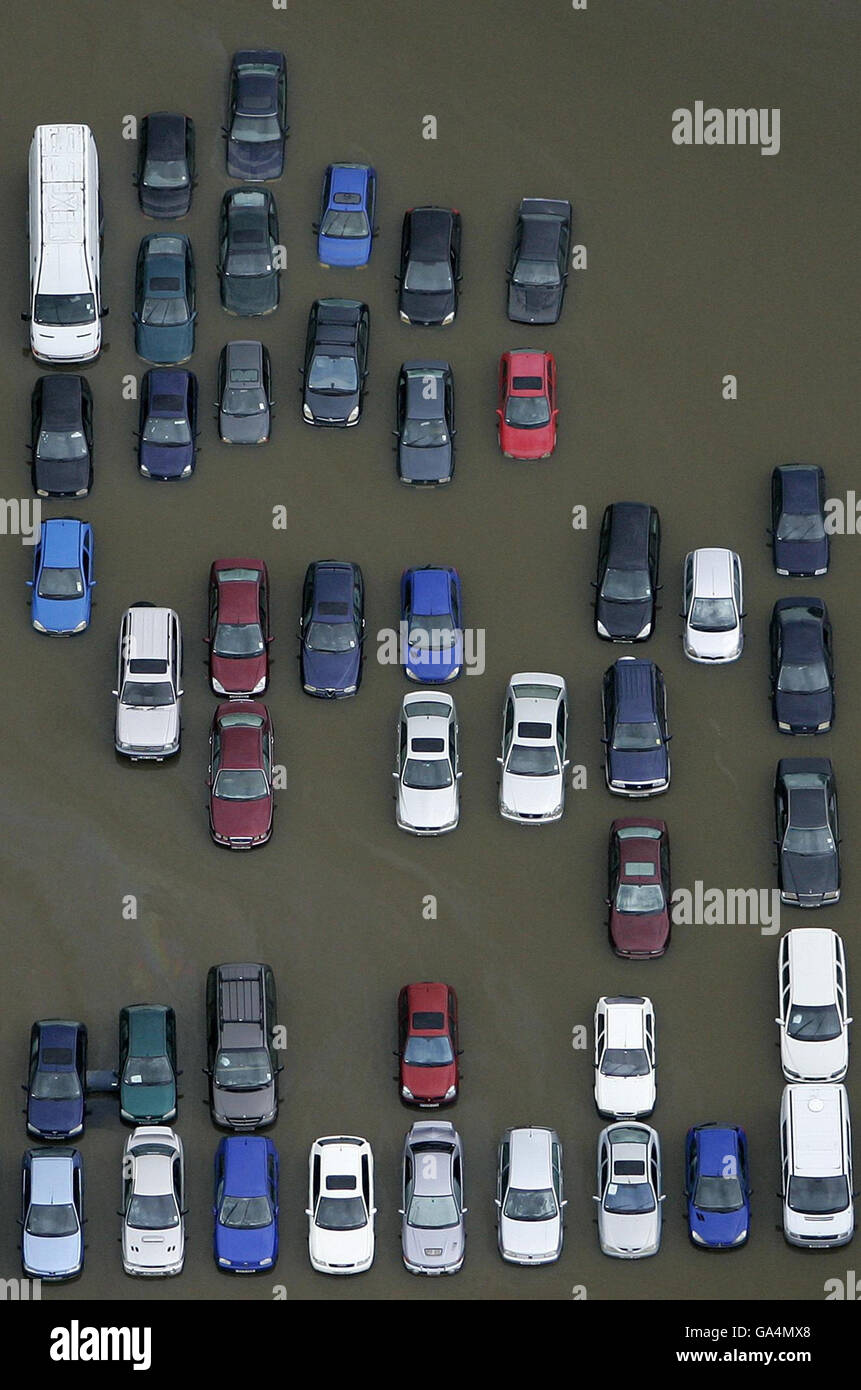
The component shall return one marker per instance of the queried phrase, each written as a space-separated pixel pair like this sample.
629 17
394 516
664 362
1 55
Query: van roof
149 629
816 1117
811 956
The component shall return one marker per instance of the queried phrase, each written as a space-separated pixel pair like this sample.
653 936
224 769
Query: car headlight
350 689
821 728
185 472
407 1093
449 318
82 492
222 1260
698 1238
557 810
217 686
353 415
80 626
644 631
312 689
307 411
601 628
742 1236
39 626
404 318
266 1261
785 727
143 468
450 1093
832 896
261 685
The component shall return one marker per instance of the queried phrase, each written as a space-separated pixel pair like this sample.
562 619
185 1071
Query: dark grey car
433 1233
336 362
244 393
240 1034
539 260
247 241
165 169
425 430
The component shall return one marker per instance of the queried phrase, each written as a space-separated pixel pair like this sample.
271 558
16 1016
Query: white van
148 690
814 1020
65 313
816 1159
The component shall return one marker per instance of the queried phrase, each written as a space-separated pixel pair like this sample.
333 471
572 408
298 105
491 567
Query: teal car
147 1065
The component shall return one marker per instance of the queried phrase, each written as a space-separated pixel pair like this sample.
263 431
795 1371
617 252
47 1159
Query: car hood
801 557
624 621
166 461
76 343
425 465
430 666
148 1104
58 1117
629 1234
331 407
532 796
530 1238
533 304
344 251
637 932
810 874
165 346
625 1095
245 429
331 670
148 728
241 819
428 810
341 1247
817 1059
718 1227
62 615
248 295
713 646
427 308
52 1255
153 1249
429 1083
528 444
804 710
243 1109
238 675
417 1242
647 766
61 477
255 162
246 1247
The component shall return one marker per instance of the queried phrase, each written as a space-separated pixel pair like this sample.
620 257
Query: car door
776 500
781 812
263 607
211 1017
776 643
402 745
454 756
25 1189
600 1041
363 337
688 587
272 1172
403 1022
123 1043
502 1172
691 1168
613 868
454 1025
649 1037
219 1181
457 1181
359 603
562 731
654 547
170 1039
664 854
556 1169
507 727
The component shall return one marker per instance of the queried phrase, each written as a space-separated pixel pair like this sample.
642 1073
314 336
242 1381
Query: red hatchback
639 896
240 774
427 1044
238 634
527 404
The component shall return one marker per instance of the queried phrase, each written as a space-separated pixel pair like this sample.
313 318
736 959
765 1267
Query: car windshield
428 277
424 434
536 273
796 527
432 1213
55 1085
713 615
341 1214
527 412
718 1194
349 226
248 400
431 634
52 1221
64 310
624 1061
629 1198
331 637
626 586
805 841
60 583
427 774
148 1212
428 1052
245 1213
814 1022
241 784
147 1071
527 761
147 694
244 1069
335 376
162 431
164 313
810 679
165 173
255 130
818 1196
238 640
636 738
62 444
522 1204
640 897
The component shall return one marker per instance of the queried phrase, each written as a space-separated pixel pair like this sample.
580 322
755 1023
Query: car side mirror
499 760
27 318
116 692
104 311
315 226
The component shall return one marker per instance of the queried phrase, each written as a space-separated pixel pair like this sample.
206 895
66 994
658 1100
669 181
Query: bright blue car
246 1204
717 1186
62 580
345 232
431 625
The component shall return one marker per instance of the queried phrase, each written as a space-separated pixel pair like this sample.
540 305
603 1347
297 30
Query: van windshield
64 310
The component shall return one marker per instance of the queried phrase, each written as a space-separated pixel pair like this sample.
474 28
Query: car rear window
245 236
347 198
171 405
347 1183
146 666
168 283
57 1056
528 730
629 1168
636 868
328 609
427 1022
527 383
428 745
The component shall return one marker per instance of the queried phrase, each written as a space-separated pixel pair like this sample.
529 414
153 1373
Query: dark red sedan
639 888
527 410
427 1044
240 774
238 633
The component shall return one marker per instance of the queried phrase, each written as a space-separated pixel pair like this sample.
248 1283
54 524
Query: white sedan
427 767
629 1193
153 1233
625 1056
534 735
341 1207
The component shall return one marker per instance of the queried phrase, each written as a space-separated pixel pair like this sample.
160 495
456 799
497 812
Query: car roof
244 352
811 952
428 997
802 633
61 401
625 1021
51 1181
166 135
241 744
633 678
333 582
340 1155
540 237
238 600
715 1143
246 1165
147 1029
817 1113
348 178
530 1157
524 362
433 697
629 532
418 405
148 628
426 1136
431 594
430 232
800 483
61 541
712 573
169 382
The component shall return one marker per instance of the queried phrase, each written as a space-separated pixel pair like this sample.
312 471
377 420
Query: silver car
52 1213
529 1196
629 1191
432 1233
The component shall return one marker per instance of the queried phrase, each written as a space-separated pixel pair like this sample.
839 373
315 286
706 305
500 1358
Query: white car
148 693
712 606
341 1207
529 1196
814 1020
629 1191
625 1056
153 1231
427 767
534 737
816 1163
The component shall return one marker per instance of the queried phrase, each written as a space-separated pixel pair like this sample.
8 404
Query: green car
147 1067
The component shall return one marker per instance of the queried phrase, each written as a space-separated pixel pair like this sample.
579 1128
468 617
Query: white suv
816 1159
814 1021
148 683
712 606
625 1056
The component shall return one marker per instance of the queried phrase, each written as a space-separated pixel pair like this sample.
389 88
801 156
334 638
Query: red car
527 404
240 774
238 635
427 1044
639 897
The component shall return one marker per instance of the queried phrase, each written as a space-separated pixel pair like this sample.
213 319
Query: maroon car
240 774
427 1044
238 635
639 892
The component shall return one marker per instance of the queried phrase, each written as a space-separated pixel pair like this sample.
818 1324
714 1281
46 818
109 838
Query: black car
61 440
167 436
802 666
425 430
538 269
165 170
242 1061
805 813
430 265
331 629
800 543
336 362
257 115
57 1078
626 587
244 393
247 242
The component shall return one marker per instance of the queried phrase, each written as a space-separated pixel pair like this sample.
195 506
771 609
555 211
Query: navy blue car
800 543
57 1080
802 666
246 1204
636 738
257 115
331 629
345 232
717 1186
164 314
168 423
432 624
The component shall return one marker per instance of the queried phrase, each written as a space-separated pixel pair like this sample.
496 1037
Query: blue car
636 737
431 624
164 314
246 1204
62 580
346 230
717 1186
56 1079
168 423
331 629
